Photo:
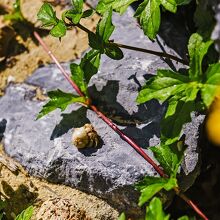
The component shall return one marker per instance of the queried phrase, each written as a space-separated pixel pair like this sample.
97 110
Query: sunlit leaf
59 30
149 186
154 210
169 157
117 5
59 99
26 214
47 15
105 27
197 50
148 13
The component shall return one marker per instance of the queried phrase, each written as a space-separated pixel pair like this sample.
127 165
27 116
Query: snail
85 136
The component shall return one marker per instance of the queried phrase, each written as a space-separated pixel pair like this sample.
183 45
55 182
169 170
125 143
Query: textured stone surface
60 209
44 146
216 31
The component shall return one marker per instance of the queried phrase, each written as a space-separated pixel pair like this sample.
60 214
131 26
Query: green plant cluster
184 92
154 211
16 15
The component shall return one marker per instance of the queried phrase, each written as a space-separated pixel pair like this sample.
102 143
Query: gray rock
216 32
44 147
93 3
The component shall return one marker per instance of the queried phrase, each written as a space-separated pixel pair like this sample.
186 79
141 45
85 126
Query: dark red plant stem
191 204
57 63
128 140
118 131
156 53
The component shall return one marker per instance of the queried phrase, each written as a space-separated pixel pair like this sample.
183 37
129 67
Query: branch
153 52
45 47
119 132
190 203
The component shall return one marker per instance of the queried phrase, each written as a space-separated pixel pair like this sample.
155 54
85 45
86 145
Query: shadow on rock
106 101
89 151
3 123
70 120
142 136
148 115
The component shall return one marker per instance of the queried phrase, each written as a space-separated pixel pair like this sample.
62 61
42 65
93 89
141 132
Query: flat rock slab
44 147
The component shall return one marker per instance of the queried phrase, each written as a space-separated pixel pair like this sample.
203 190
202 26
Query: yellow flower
213 121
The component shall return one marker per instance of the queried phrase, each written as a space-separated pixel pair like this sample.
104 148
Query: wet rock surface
44 147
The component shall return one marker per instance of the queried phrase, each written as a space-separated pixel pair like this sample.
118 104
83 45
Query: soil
21 190
20 53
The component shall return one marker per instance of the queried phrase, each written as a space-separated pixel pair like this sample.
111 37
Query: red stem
49 52
128 140
190 203
117 130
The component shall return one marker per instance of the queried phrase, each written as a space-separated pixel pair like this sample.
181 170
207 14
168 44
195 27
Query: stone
44 146
216 32
59 209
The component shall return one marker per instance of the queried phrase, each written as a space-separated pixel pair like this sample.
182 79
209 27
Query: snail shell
85 136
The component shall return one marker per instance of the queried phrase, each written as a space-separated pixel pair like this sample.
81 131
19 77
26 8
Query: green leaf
183 2
169 157
155 211
16 15
191 92
87 13
197 50
186 218
122 216
2 204
171 125
47 15
90 64
77 75
149 186
73 15
59 99
149 14
117 5
26 214
1 216
59 30
208 93
211 84
105 27
213 74
162 86
169 5
113 51
96 42
180 94
77 6
183 218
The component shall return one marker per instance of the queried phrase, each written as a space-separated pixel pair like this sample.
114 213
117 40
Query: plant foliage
16 15
181 90
154 211
184 92
26 214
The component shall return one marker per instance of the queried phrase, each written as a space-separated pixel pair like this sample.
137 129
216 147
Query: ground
22 190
